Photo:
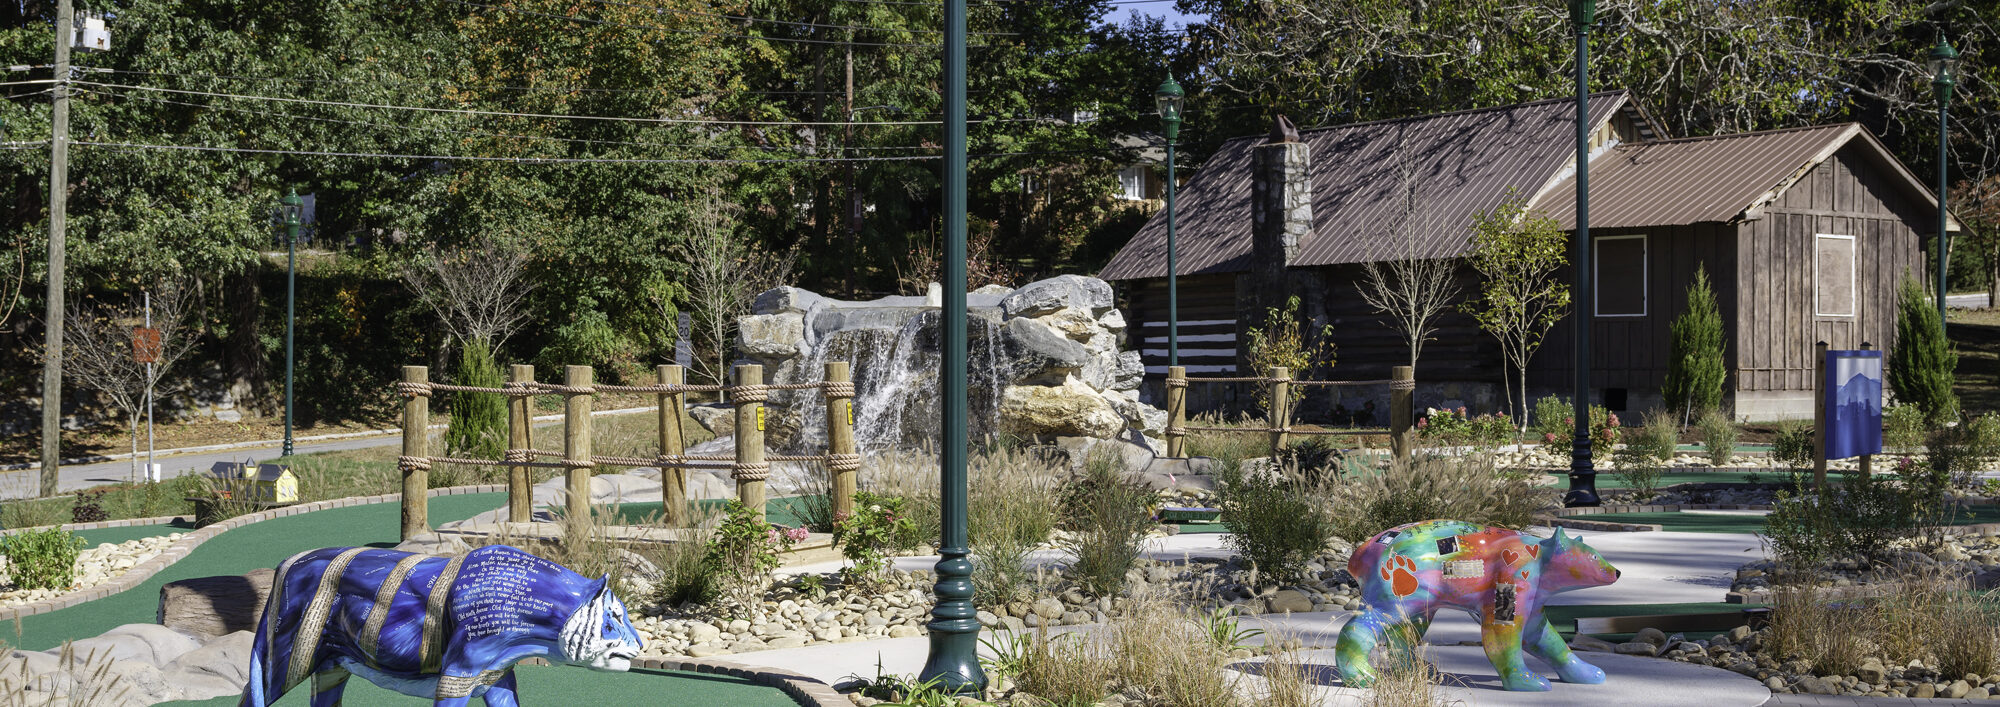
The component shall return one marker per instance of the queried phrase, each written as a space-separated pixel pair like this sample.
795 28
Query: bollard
1281 407
673 479
520 426
576 451
1819 417
1402 410
1176 411
842 461
416 439
750 469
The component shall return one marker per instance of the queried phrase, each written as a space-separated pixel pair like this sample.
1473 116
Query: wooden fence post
842 460
416 441
751 469
1819 417
576 450
1402 410
1281 407
673 479
520 442
1867 460
1176 411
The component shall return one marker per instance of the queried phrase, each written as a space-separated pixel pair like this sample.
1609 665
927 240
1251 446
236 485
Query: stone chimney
1280 198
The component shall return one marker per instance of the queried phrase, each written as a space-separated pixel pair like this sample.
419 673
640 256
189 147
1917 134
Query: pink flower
1569 421
796 534
1461 411
1549 437
1613 420
1423 422
771 534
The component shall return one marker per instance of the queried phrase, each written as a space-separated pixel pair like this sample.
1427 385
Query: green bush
41 559
1552 420
1276 520
1793 444
1456 428
1718 436
1920 368
1432 488
1280 342
1695 368
878 527
685 573
1011 512
1659 439
1107 516
1859 517
744 552
1958 452
478 420
89 507
1904 428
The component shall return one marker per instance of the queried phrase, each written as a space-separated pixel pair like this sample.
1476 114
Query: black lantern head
1168 98
1943 64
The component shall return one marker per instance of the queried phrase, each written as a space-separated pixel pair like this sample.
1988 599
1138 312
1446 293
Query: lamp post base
1582 477
954 627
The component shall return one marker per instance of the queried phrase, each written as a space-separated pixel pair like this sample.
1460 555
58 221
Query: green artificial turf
238 551
1715 523
568 685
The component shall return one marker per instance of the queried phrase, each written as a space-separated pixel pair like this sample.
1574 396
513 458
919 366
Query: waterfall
895 370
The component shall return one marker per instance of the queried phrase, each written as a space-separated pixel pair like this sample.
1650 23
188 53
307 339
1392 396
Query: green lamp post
290 208
953 662
1582 475
1943 62
1168 98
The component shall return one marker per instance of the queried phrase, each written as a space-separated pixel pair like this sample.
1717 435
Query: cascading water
895 369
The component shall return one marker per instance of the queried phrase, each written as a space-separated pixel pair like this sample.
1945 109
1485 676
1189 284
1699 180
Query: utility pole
853 202
52 342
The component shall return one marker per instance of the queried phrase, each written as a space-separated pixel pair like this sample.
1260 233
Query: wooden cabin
1804 234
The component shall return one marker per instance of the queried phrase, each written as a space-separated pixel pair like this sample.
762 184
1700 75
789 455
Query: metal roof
1465 162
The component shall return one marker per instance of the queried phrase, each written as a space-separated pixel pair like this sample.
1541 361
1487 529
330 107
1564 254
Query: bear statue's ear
1559 538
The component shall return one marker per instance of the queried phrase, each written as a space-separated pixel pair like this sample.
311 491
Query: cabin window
1833 275
1132 183
1620 274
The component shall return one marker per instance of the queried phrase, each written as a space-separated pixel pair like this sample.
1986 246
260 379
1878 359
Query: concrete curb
807 691
194 538
1566 517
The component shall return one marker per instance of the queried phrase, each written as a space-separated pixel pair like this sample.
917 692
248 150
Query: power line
500 87
521 160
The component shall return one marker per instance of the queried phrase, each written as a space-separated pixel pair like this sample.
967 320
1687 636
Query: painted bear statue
1502 577
445 628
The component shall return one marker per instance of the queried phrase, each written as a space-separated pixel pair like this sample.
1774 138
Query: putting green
235 552
1718 523
570 685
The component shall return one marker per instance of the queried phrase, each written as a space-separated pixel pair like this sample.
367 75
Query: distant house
1805 233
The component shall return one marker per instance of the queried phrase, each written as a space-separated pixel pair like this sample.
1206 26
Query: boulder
210 607
1639 648
1074 323
1584 642
786 300
717 418
1068 410
771 336
1145 419
1872 672
1040 351
219 667
1045 296
148 643
1126 456
1290 601
1652 636
1128 373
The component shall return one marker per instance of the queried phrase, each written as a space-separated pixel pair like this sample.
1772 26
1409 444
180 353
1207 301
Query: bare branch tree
12 280
1403 276
477 291
97 349
725 273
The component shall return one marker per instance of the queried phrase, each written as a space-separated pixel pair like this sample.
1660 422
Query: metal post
750 469
1173 270
673 480
520 436
1582 476
52 318
840 438
1280 414
1402 409
291 294
576 451
1819 417
1176 411
1867 460
1944 173
149 395
954 625
416 442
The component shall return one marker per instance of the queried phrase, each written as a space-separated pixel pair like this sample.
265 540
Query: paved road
1966 301
74 477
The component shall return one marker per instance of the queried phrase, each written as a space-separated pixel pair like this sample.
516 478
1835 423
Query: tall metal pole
52 334
954 624
1173 270
1943 85
149 395
292 205
1582 475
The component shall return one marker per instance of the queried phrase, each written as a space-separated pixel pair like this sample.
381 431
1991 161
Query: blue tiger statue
446 628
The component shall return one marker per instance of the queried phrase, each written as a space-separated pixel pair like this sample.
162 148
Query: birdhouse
263 483
91 33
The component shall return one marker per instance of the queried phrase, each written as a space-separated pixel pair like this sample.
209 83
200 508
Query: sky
1161 8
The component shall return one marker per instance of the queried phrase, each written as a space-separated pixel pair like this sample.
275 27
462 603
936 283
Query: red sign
145 345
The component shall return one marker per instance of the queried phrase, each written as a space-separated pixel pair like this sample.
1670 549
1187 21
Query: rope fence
1402 386
750 466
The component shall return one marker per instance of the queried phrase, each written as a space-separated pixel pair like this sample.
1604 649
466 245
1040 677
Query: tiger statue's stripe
315 618
371 633
432 648
277 599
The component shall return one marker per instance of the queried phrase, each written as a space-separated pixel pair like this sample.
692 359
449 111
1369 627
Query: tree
98 351
1695 370
477 292
725 273
1977 204
1404 278
478 427
1518 252
1280 342
1922 364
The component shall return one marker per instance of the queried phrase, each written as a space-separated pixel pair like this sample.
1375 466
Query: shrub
744 552
1228 449
1107 517
89 507
1011 512
1860 516
877 527
1958 452
1553 421
42 559
1793 444
1658 439
914 477
1456 428
1281 343
1718 437
1695 369
1920 368
478 420
1431 488
1903 428
1069 669
1313 457
685 574
1827 635
1276 521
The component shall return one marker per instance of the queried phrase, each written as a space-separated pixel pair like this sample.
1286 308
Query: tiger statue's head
600 635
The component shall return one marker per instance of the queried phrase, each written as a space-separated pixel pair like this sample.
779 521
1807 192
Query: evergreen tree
478 420
1922 363
1695 370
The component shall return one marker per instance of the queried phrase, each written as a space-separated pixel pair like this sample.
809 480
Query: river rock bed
1975 556
94 566
1742 651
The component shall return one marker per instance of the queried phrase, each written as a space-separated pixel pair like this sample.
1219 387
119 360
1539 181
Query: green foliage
1793 444
1859 517
1553 420
1455 428
1012 510
1903 428
1695 367
1920 368
1280 342
1718 436
878 527
1428 489
744 552
1958 452
41 559
1657 440
1275 521
686 574
1518 252
1107 517
1225 632
478 427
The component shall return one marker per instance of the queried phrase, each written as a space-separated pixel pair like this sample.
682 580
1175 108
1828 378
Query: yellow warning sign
760 418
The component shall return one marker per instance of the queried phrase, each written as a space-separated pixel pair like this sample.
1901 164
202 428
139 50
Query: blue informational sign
1853 403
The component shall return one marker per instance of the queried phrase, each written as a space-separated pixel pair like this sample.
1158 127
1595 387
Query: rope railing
738 393
1278 418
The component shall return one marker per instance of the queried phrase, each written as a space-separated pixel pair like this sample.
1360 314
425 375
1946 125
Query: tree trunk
1993 278
133 474
1522 368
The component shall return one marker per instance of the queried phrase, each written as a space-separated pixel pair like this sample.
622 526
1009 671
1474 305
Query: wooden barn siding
1367 344
1631 352
1843 196
1202 298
